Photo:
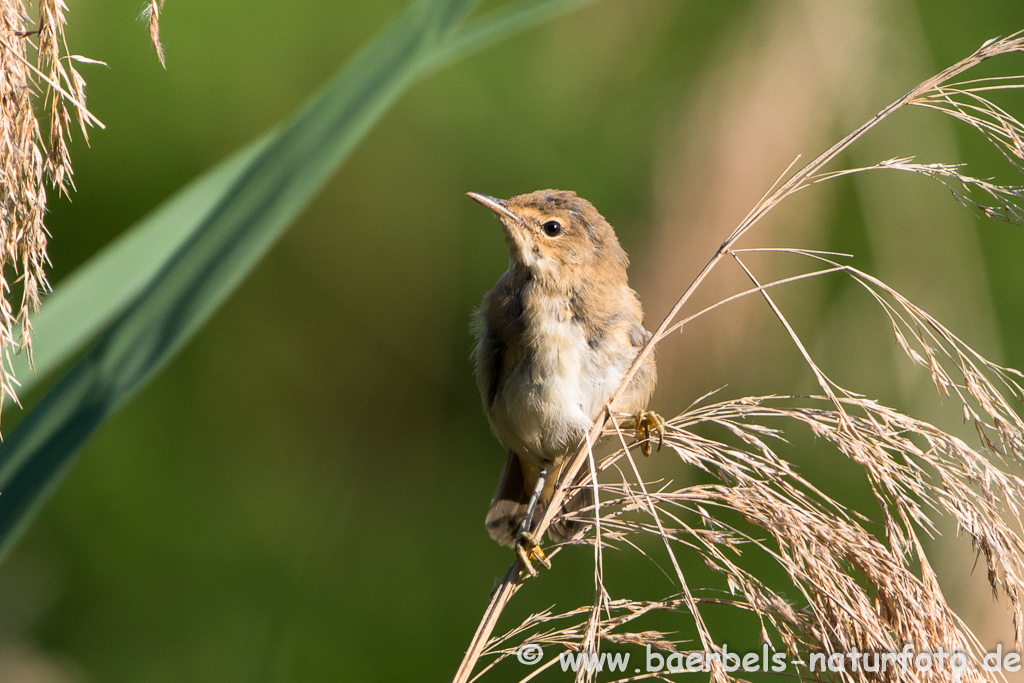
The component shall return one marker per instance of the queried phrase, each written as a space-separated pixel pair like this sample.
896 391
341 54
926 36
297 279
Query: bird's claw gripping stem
528 550
646 422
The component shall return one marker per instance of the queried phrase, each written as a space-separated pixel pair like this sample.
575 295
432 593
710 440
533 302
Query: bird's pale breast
555 378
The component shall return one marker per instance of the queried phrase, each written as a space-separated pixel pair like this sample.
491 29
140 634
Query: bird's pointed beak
498 206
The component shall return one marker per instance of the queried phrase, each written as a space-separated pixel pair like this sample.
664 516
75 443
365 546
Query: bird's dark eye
552 228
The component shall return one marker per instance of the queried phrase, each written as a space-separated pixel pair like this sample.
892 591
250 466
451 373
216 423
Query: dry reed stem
873 591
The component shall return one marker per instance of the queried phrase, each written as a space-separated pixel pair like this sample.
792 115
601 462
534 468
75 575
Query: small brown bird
555 337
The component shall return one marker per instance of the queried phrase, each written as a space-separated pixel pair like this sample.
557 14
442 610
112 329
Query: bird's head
557 236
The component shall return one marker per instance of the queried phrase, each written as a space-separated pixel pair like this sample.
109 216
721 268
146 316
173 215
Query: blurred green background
300 495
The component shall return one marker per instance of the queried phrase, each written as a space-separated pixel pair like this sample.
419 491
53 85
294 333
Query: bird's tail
508 508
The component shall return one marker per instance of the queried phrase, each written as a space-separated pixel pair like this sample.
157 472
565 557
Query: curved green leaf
250 212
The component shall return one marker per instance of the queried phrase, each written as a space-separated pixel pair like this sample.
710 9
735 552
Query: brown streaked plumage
554 339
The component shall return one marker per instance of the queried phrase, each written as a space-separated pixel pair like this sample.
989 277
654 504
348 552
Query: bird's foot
528 550
647 422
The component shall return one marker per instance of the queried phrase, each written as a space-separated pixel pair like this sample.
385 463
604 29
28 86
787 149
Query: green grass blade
251 212
502 23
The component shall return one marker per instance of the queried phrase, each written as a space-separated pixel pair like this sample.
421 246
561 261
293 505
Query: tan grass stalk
861 584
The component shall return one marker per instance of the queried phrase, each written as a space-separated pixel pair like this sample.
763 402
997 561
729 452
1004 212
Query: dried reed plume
38 81
151 15
850 581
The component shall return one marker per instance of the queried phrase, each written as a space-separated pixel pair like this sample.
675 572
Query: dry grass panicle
40 90
853 579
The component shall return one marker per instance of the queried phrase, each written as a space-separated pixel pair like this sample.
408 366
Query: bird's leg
527 545
534 497
646 421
